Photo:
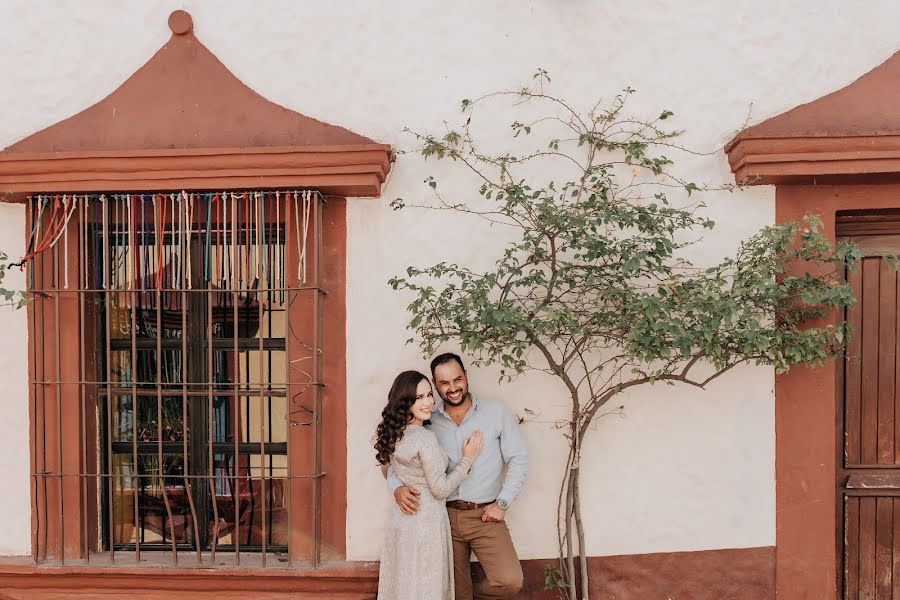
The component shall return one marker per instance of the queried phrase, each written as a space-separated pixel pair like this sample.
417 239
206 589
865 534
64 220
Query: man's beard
461 401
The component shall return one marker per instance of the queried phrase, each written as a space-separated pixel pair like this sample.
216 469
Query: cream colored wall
680 470
15 537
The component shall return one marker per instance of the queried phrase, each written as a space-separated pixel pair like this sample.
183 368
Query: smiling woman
417 556
397 413
423 404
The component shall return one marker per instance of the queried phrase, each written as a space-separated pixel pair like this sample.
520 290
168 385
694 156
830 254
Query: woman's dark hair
396 414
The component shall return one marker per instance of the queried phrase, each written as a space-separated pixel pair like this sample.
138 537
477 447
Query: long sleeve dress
417 556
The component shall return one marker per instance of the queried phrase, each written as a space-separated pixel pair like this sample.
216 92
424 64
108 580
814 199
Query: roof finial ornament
180 22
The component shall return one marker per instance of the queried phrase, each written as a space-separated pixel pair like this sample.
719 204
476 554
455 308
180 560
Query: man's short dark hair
445 358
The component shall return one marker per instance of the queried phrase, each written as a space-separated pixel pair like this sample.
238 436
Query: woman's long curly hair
396 414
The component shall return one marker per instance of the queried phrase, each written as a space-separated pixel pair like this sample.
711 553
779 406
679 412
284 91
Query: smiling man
477 509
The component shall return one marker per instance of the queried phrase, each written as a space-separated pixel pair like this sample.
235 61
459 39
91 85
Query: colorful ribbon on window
166 242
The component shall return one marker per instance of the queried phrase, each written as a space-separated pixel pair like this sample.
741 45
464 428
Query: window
183 368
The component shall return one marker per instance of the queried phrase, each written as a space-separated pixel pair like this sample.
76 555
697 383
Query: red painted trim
704 575
739 573
209 132
802 160
846 142
334 371
203 106
806 401
346 581
346 171
865 107
333 420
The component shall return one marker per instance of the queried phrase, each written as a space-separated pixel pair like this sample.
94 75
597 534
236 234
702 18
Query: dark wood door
868 426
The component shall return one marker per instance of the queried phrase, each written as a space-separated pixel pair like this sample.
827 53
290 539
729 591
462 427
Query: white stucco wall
680 470
15 537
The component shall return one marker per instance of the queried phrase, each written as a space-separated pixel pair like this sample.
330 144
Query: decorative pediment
184 121
853 132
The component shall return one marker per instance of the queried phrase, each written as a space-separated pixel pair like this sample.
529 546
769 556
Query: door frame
839 152
849 226
807 403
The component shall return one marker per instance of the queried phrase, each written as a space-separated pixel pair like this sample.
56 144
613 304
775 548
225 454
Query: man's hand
407 499
493 513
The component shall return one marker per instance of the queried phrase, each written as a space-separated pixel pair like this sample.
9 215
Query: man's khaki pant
494 550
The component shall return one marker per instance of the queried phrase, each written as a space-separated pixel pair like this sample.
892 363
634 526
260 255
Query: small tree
594 289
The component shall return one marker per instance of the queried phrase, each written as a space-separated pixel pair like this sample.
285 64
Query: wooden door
868 426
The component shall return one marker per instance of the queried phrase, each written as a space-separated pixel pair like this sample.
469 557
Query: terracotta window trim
811 160
20 580
63 420
354 171
209 131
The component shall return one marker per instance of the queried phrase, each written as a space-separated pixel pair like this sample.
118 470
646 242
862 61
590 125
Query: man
477 509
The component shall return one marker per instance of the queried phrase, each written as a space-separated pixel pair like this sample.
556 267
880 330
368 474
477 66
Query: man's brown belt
463 505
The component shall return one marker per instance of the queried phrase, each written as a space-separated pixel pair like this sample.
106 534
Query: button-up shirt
503 447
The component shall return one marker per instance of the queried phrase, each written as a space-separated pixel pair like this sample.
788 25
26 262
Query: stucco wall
680 470
14 442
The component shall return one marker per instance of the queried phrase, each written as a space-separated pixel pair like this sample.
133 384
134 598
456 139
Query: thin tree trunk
564 542
582 544
567 524
574 483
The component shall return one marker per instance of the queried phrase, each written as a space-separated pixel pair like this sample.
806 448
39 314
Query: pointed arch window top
183 120
851 133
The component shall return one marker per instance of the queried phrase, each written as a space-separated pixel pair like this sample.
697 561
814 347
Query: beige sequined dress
417 556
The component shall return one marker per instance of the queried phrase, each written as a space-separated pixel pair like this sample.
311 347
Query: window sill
21 579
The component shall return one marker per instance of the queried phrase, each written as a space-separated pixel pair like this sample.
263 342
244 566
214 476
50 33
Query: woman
417 557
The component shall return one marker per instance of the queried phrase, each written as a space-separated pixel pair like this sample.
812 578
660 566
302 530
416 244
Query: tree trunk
579 528
571 592
574 477
572 525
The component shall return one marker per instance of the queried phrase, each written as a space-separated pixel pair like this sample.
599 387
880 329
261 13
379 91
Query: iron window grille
184 355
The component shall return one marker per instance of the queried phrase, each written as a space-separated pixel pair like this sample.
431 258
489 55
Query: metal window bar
164 287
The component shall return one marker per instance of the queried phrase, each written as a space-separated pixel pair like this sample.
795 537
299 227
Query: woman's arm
434 463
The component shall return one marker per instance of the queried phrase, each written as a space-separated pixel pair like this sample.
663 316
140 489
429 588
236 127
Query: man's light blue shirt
503 446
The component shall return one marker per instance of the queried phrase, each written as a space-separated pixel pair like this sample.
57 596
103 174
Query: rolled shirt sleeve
515 454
